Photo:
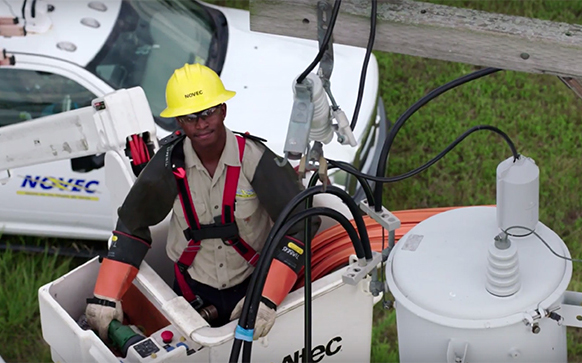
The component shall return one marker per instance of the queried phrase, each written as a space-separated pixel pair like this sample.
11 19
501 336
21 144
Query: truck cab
62 54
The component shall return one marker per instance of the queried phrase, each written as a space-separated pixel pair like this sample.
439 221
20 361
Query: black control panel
146 348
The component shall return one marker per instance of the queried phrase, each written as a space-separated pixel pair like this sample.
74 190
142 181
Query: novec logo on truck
47 186
317 353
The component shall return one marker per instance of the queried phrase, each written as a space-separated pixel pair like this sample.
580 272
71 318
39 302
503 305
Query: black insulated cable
369 47
235 350
307 312
307 269
364 251
324 43
251 304
382 162
531 231
349 168
361 177
247 350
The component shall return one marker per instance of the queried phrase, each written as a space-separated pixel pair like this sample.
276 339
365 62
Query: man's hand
100 312
265 317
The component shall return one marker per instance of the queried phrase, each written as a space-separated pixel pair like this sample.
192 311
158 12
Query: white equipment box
342 325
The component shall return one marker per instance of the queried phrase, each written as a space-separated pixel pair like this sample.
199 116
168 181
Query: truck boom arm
103 126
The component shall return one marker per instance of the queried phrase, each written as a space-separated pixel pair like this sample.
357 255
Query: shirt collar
229 154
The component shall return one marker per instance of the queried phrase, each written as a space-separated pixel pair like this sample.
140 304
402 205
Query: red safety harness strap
228 200
188 255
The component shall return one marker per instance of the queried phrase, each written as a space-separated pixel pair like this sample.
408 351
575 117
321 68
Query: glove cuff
268 303
104 302
114 279
280 280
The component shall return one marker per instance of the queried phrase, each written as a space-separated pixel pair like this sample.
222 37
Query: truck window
151 39
27 94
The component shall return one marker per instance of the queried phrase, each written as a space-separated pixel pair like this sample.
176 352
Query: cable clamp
357 271
324 10
385 218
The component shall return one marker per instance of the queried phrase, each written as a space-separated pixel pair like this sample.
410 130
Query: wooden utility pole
436 31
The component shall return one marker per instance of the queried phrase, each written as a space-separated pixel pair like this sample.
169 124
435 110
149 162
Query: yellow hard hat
194 88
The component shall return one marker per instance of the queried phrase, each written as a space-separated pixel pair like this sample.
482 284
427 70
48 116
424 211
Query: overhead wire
361 177
349 168
364 72
383 160
541 239
367 56
324 43
252 300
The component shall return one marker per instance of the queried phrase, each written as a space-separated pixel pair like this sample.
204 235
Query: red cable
138 149
133 152
146 152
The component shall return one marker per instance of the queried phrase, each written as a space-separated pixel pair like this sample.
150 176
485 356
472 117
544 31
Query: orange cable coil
332 248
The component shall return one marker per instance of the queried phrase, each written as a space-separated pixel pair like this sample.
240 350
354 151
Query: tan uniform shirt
217 264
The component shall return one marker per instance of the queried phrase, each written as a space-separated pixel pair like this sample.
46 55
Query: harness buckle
182 267
232 241
197 303
188 234
225 232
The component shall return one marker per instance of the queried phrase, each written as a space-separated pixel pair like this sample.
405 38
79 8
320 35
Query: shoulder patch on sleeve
246 193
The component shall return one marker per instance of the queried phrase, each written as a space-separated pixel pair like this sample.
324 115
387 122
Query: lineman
223 191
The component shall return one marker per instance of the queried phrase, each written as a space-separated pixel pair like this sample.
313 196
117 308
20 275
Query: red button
167 336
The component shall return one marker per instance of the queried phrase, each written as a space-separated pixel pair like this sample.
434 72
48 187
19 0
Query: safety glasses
193 117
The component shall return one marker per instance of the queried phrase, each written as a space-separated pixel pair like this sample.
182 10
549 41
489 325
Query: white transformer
466 292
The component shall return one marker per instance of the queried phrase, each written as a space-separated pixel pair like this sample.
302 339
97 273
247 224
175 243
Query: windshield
151 39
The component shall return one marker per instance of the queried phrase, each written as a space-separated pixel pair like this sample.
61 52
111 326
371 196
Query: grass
539 113
21 275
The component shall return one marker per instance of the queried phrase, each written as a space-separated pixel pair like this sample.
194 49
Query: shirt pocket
245 215
179 211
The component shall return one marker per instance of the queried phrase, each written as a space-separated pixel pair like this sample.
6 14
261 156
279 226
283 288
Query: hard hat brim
173 112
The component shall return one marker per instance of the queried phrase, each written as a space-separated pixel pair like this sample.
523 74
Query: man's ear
223 110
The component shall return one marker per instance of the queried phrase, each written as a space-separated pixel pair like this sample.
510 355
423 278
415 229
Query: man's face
205 128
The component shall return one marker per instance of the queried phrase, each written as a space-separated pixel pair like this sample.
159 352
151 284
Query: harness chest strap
209 231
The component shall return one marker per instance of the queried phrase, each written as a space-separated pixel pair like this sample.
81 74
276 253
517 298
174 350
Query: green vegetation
21 275
538 112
